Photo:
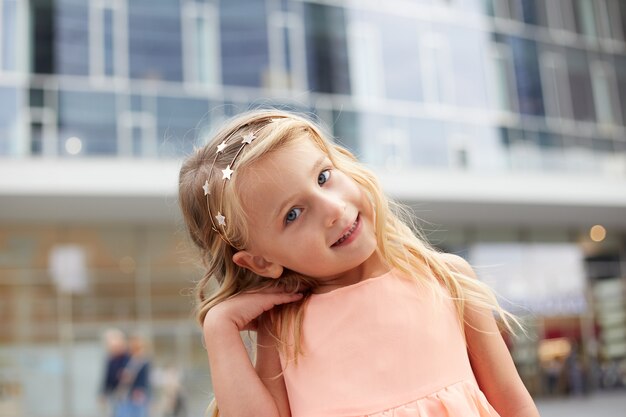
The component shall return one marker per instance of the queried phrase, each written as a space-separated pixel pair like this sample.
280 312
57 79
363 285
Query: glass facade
155 40
484 87
8 34
9 111
535 66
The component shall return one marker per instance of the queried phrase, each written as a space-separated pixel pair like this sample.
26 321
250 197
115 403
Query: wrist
216 322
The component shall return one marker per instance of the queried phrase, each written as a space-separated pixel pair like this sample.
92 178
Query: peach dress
383 347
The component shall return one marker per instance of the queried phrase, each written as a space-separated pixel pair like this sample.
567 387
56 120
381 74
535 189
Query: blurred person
553 371
354 313
134 387
116 346
171 397
574 371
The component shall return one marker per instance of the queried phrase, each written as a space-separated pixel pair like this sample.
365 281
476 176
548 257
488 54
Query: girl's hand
243 309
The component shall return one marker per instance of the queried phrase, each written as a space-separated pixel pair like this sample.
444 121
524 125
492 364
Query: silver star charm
221 220
248 138
221 146
205 187
227 173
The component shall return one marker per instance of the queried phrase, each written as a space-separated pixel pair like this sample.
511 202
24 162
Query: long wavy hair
399 243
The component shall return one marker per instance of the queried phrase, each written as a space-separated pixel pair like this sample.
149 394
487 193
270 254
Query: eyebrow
286 202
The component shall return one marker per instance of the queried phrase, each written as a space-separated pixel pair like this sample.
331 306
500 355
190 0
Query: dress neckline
345 288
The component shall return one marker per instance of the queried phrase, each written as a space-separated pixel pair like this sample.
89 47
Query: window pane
181 124
605 97
580 85
71 38
620 69
585 19
108 46
36 138
346 129
502 82
154 40
527 75
90 118
9 35
526 10
399 35
622 17
207 53
244 45
437 78
42 36
557 97
487 7
429 146
467 69
551 149
8 121
365 57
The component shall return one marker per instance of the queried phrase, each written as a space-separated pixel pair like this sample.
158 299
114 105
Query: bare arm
238 389
270 371
491 361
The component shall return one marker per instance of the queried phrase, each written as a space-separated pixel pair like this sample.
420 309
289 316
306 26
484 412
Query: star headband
246 139
226 176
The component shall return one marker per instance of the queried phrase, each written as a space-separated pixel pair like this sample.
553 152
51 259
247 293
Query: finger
284 298
274 289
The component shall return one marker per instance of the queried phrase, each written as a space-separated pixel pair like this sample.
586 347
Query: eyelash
325 174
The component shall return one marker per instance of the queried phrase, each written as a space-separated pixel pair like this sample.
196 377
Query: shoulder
458 264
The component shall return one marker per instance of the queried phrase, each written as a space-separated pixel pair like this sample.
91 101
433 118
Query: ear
258 264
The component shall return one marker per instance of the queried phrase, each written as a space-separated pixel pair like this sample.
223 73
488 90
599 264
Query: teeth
347 235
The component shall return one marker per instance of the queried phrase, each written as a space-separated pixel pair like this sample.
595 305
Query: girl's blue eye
293 214
323 177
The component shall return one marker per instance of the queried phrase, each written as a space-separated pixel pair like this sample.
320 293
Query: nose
334 208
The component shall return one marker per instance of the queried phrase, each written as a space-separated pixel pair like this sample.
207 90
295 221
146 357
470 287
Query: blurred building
501 122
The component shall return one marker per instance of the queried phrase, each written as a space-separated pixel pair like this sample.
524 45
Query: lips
347 233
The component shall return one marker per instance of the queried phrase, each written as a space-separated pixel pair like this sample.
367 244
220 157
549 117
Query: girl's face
309 217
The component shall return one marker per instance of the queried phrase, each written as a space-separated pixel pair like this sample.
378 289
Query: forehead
267 182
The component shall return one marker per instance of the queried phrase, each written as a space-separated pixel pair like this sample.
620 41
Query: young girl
355 314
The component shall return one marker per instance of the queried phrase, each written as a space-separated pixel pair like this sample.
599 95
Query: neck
374 266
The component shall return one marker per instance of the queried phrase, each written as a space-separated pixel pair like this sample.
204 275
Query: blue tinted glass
326 49
429 146
345 126
36 138
526 10
136 102
108 42
467 52
400 56
154 40
42 37
620 69
8 120
487 7
527 75
287 49
91 117
244 46
71 38
580 84
9 35
181 122
399 142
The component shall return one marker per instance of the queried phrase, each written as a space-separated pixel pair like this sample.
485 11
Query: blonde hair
399 245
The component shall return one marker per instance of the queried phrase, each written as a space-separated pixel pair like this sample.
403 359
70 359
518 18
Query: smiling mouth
348 233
